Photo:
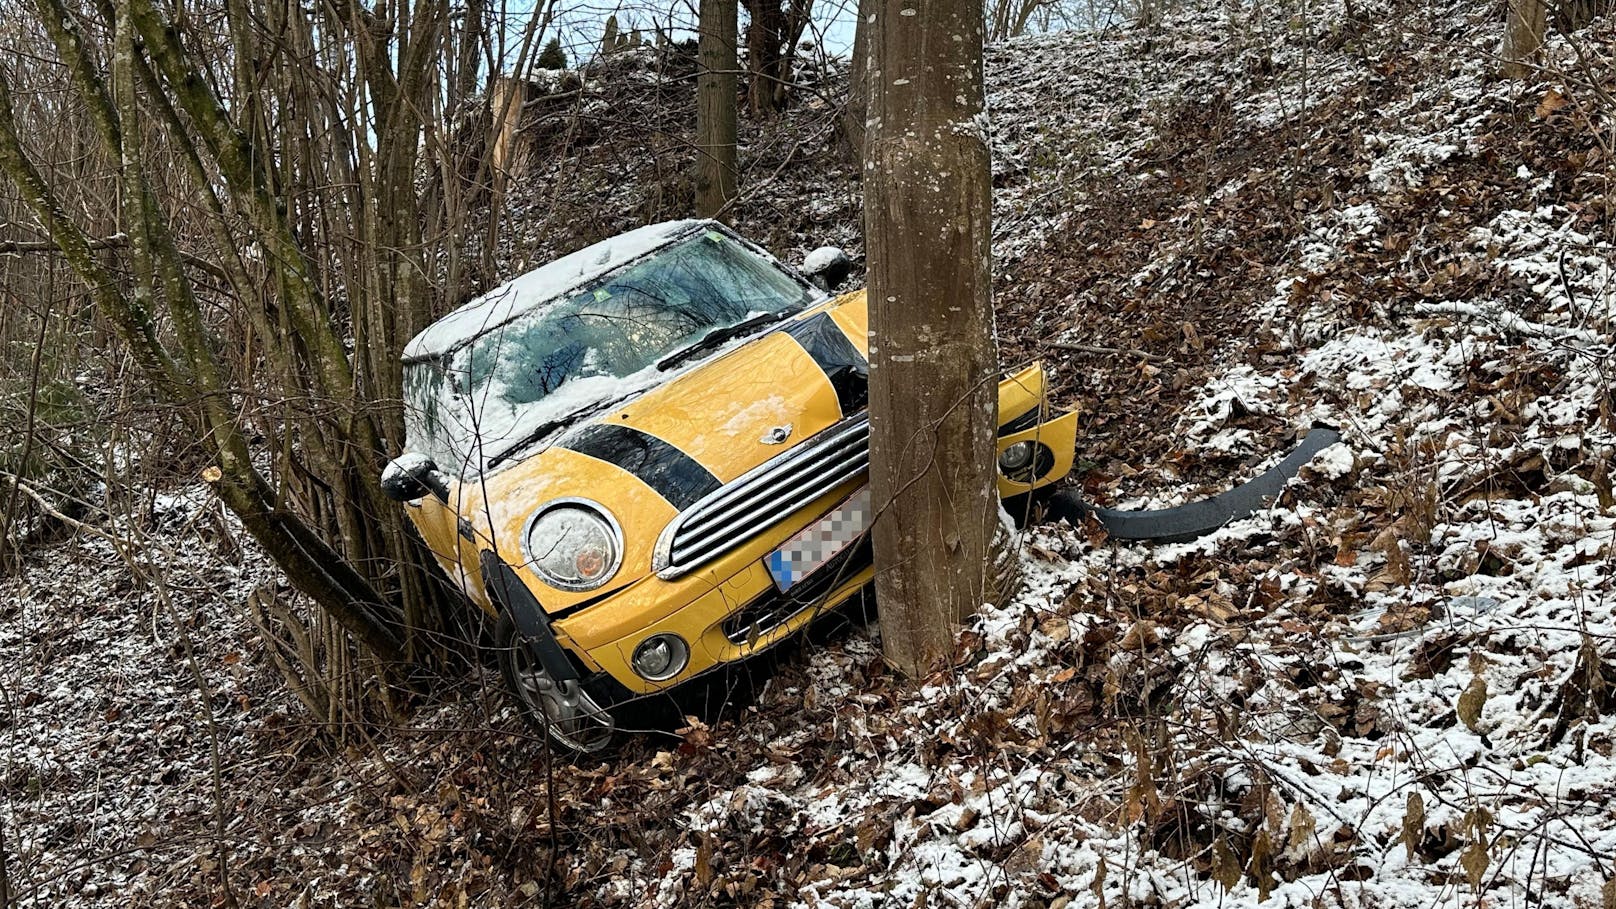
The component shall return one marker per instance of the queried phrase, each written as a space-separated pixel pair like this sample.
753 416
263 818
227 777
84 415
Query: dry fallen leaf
1552 101
1474 861
1413 823
1302 826
1471 701
1397 569
1225 866
1261 867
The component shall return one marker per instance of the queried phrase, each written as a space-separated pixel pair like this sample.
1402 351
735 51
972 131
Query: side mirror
827 267
411 476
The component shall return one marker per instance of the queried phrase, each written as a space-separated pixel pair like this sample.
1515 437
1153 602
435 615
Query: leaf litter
1392 688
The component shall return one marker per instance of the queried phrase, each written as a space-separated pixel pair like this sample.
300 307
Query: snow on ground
1394 688
107 746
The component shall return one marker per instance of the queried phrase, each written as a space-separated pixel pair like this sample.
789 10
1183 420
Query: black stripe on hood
846 368
673 474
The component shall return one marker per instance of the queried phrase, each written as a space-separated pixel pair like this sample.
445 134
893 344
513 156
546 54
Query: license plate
821 541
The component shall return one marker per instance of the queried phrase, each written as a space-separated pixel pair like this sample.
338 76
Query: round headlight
573 545
1015 458
1026 462
661 657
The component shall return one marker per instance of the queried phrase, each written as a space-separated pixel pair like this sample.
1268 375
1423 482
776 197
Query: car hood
648 458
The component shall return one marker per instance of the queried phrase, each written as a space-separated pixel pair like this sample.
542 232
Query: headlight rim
615 531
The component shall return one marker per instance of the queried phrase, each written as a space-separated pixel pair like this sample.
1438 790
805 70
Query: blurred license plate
821 541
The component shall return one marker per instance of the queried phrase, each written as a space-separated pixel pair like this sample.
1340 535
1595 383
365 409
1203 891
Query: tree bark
858 91
1525 22
763 35
771 40
308 561
716 86
933 369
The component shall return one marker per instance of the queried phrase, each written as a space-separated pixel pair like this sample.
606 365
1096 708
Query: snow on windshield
500 389
541 285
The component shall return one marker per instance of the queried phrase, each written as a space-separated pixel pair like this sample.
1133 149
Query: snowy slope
1394 689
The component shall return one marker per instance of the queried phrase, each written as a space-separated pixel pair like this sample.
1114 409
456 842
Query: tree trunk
316 147
858 91
765 58
308 561
715 108
1525 21
933 370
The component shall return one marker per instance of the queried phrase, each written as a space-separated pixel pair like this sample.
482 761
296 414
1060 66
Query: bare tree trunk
306 559
1525 22
771 40
933 370
858 91
316 146
715 108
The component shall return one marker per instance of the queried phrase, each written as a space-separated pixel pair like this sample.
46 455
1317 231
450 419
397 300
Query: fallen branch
10 247
1507 321
115 241
56 513
1108 351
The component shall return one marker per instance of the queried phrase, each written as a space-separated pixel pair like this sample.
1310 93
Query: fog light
661 657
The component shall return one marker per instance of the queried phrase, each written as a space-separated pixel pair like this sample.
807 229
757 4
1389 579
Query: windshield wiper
719 336
540 432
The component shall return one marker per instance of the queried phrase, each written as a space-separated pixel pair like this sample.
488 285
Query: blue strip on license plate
821 541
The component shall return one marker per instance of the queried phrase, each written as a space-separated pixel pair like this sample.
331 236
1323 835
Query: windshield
594 345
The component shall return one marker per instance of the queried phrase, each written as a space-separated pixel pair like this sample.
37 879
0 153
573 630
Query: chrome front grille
758 500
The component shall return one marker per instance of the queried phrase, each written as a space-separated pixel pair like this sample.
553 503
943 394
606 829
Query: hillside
1395 688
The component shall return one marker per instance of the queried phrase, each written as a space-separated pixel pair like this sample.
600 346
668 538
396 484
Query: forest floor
1396 687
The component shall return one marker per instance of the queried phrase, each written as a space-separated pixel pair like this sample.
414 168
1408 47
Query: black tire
564 712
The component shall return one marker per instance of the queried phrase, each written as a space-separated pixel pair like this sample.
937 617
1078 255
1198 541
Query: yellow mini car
647 459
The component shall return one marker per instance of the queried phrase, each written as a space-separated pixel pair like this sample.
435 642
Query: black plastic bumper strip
673 474
1186 522
1022 423
508 591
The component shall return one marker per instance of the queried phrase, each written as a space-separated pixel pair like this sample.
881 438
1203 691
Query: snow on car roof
543 284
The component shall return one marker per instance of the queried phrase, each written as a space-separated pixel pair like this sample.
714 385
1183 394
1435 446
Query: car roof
545 283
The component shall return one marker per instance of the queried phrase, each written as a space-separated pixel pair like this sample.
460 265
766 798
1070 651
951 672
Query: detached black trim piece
1196 519
506 589
846 368
673 474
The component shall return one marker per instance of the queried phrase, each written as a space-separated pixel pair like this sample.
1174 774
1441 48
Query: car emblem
776 435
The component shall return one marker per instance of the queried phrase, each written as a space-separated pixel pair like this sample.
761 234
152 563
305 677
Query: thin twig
1108 351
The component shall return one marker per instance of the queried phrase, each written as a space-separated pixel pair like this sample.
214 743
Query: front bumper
708 607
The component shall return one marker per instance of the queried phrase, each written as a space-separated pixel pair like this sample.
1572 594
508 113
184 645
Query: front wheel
560 709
